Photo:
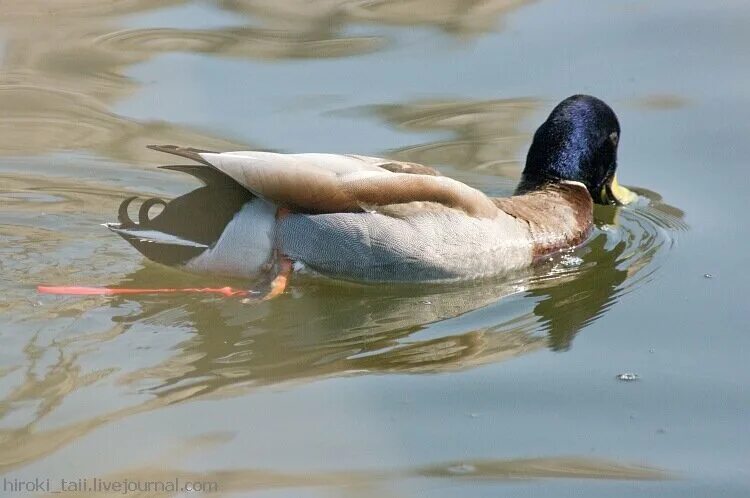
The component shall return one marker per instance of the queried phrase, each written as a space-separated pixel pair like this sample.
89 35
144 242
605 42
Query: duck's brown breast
558 216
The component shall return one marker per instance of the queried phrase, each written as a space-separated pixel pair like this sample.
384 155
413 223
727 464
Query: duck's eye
614 137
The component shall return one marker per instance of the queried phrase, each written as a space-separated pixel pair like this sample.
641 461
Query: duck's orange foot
279 283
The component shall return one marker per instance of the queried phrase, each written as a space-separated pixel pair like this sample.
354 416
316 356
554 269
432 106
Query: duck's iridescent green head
577 142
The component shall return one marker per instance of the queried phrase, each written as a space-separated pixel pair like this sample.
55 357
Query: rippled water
502 387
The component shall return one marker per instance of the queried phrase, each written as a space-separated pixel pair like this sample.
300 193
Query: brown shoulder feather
411 168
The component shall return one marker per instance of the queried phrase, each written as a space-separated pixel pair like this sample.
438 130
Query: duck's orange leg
279 283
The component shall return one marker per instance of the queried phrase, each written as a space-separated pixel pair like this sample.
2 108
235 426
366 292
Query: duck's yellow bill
614 193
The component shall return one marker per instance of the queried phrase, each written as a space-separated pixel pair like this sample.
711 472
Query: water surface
498 388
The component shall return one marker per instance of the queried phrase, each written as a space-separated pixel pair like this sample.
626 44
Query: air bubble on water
570 261
462 469
627 377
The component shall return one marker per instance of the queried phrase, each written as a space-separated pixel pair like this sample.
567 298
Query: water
503 388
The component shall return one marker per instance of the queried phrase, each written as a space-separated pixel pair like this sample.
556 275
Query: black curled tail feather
143 218
189 224
143 212
122 213
186 225
161 246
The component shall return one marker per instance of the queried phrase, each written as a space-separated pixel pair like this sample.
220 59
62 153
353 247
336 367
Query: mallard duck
371 219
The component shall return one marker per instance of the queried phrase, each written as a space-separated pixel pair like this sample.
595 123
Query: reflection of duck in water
376 329
370 219
329 330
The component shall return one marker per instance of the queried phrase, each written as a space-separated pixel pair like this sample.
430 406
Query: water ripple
485 136
238 42
626 250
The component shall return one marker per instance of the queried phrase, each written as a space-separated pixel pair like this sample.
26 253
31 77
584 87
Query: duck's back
437 245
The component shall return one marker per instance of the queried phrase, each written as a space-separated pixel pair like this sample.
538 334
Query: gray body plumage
435 246
432 246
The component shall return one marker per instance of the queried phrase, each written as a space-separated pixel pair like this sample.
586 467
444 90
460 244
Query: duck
376 220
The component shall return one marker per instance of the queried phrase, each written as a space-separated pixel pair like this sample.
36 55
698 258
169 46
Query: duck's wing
333 183
398 166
